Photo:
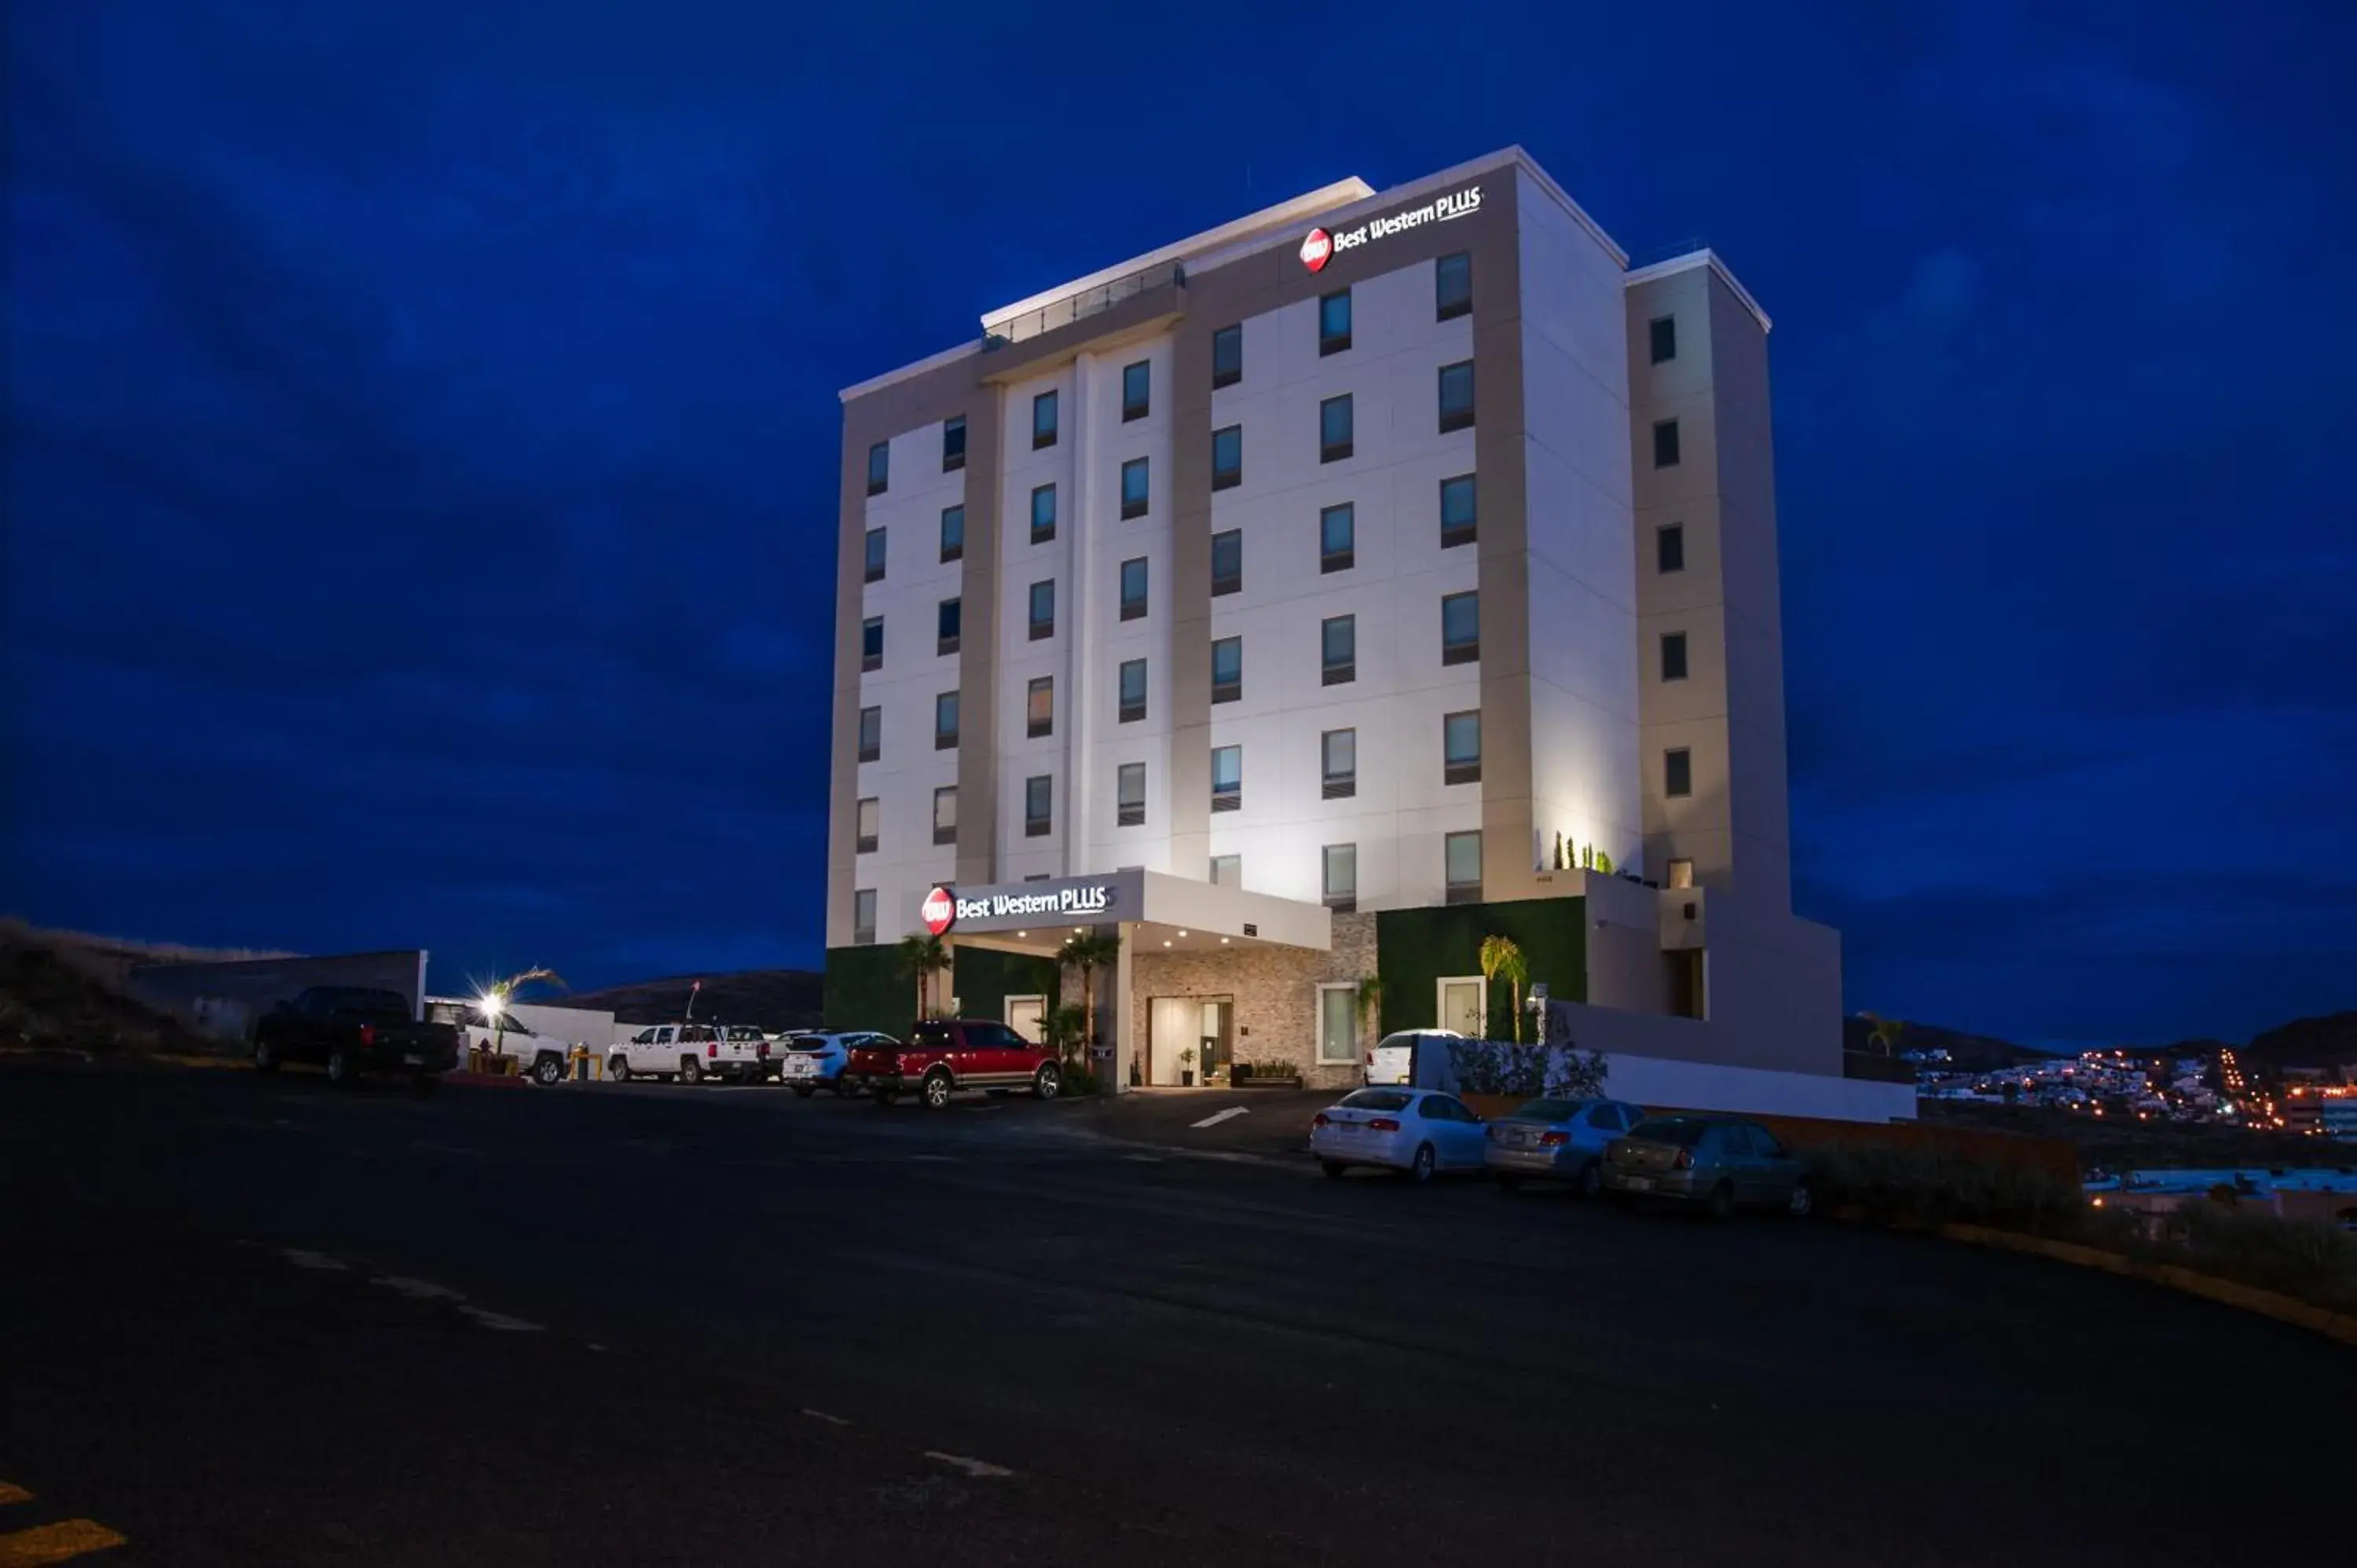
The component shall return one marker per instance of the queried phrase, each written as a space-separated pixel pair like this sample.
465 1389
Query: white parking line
981 1467
417 1290
501 1320
1145 1159
937 1159
1216 1117
821 1415
302 1259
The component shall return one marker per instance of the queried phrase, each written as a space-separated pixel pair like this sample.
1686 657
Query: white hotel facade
1303 601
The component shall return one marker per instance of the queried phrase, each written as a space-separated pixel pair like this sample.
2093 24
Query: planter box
1255 1080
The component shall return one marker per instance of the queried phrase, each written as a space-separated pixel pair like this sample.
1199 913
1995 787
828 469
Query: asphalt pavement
251 1320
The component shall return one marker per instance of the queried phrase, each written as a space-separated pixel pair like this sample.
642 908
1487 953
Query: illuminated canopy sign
1067 900
1092 898
1321 245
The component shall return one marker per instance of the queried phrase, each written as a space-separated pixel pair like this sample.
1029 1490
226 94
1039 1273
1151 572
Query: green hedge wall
865 989
1414 948
984 978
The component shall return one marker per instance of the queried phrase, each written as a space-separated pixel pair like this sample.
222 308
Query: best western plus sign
939 911
1317 249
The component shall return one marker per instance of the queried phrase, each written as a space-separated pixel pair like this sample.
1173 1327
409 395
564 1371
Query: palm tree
500 993
1088 952
922 957
1502 960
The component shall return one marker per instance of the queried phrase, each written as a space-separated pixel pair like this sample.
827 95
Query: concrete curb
2248 1298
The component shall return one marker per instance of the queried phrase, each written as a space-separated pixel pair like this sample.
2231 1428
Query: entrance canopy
1174 911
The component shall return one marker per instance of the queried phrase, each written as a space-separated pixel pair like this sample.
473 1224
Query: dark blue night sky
422 437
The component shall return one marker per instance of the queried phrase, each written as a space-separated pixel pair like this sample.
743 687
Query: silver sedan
1557 1140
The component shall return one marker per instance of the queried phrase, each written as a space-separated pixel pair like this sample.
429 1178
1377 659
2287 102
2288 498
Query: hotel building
1305 601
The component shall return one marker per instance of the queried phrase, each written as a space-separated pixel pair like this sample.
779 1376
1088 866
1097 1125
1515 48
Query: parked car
544 1058
1419 1131
1394 1060
1557 1140
1719 1161
352 1030
808 1063
945 1055
691 1053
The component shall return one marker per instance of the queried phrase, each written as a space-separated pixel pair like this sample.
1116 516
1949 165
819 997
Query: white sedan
1419 1131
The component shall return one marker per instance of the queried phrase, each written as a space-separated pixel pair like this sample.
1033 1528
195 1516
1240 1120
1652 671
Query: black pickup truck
351 1030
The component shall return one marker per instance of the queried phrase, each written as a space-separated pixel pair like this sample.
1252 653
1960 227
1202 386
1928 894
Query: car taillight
1553 1140
1321 1120
711 1047
1684 1161
1382 1124
368 1036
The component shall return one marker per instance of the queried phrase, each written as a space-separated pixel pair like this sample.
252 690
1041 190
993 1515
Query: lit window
1460 628
1040 707
1227 669
1136 390
1337 756
1227 777
1227 356
1133 487
1043 610
1133 691
1132 588
1681 874
1337 645
1337 1006
1038 806
1334 322
1043 513
1340 883
1043 420
1452 285
1457 396
879 467
863 915
870 813
1338 536
1463 859
1460 747
1456 512
1129 795
945 814
871 733
1227 563
1335 429
1227 456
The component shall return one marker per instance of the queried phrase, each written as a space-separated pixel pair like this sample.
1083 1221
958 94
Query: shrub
1079 1081
2311 1259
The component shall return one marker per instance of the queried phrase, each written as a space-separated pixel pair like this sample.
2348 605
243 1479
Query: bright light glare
493 1002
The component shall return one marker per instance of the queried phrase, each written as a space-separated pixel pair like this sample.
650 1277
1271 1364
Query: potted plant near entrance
1186 1068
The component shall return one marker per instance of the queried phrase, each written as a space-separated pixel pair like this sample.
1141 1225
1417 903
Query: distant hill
2327 1041
1966 1053
765 998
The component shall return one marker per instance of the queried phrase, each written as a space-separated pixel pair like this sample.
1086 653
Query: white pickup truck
543 1058
692 1053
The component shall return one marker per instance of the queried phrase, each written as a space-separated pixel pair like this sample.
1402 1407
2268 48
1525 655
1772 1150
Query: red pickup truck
945 1054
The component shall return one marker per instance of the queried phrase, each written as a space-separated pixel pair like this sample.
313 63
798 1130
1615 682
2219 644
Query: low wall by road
222 1000
1756 1091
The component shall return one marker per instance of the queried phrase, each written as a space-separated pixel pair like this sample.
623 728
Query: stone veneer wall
1276 994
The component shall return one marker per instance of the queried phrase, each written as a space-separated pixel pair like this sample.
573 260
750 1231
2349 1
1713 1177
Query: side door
1461 1009
662 1051
1457 1131
1002 1055
1599 1125
1775 1166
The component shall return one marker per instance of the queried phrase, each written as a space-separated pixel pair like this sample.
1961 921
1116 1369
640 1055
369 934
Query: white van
1394 1059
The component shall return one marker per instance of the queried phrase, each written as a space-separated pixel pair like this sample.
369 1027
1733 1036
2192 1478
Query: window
1227 456
871 733
1227 778
863 915
1669 547
1043 513
945 722
1337 649
875 555
1129 795
1666 444
1133 690
1674 656
1663 331
1334 322
1227 669
1043 421
864 839
879 467
1338 760
1677 772
1460 747
1038 806
1452 285
945 814
1136 390
1227 870
1227 356
1335 427
1338 1024
1228 562
1338 538
1133 487
954 443
1462 854
1043 610
1681 874
1040 707
1457 396
1133 589
949 620
871 643
1339 879
1460 628
953 532
1458 512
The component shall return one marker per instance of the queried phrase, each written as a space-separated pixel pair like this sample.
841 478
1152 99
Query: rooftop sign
1320 246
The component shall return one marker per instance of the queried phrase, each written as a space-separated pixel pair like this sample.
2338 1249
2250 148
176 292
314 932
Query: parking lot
650 1323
